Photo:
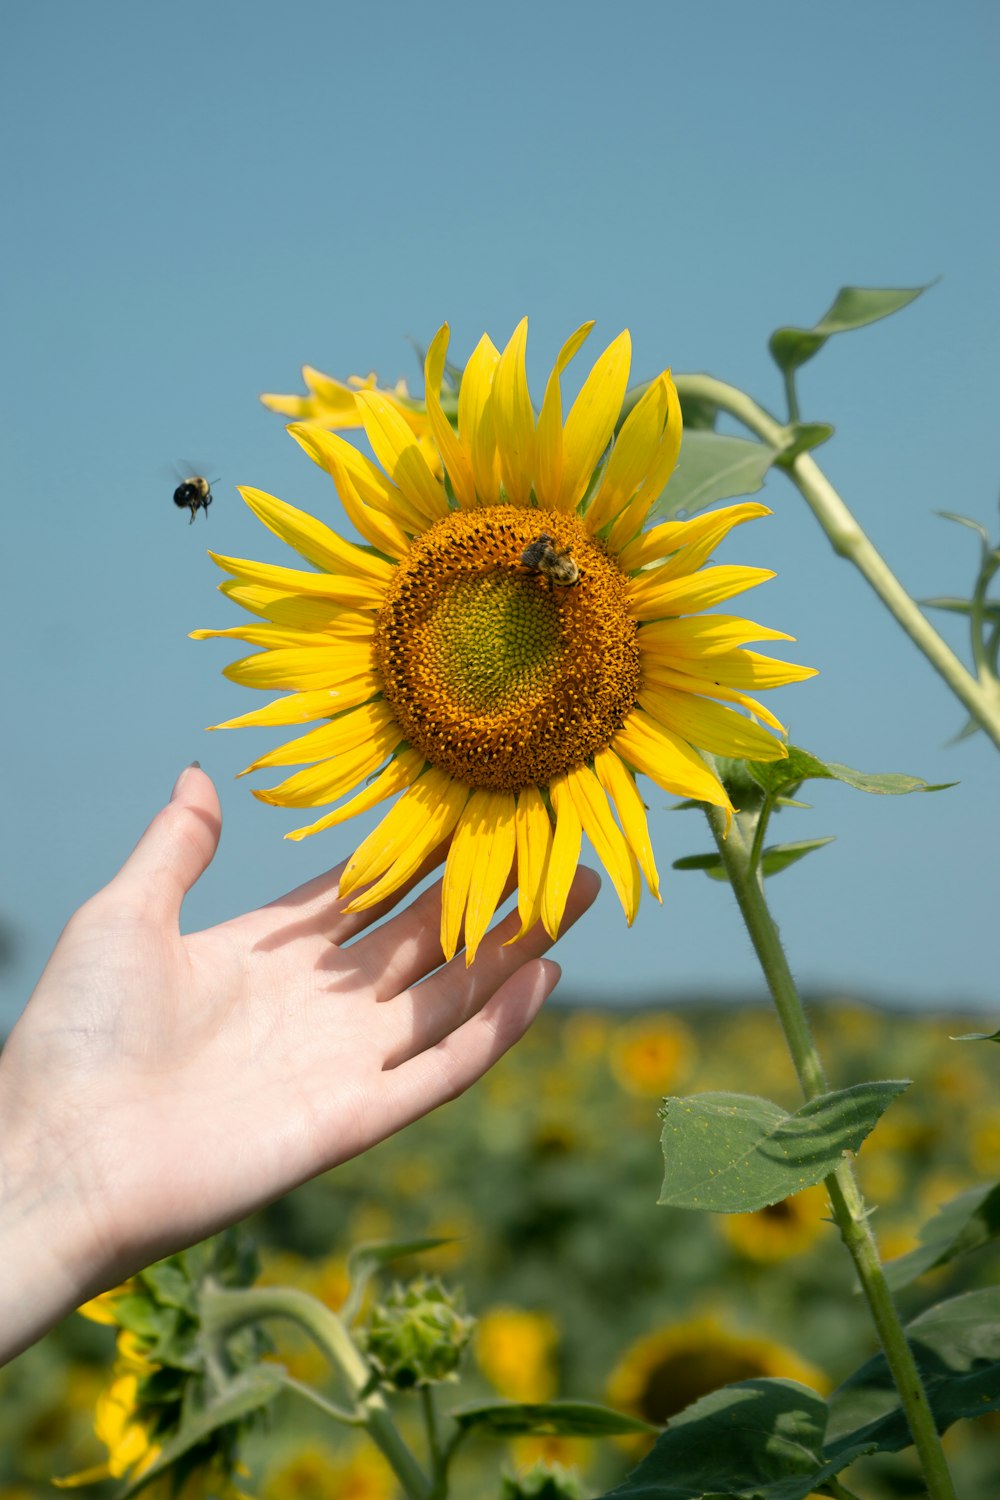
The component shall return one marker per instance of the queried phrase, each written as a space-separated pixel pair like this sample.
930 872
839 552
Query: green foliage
853 307
758 1440
364 1261
982 613
713 467
543 1482
733 1153
957 1348
563 1418
783 776
965 1224
774 858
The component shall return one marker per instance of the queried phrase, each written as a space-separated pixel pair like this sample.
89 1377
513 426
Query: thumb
177 847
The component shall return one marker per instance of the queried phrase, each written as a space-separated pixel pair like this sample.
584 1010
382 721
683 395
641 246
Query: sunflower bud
417 1334
541 1482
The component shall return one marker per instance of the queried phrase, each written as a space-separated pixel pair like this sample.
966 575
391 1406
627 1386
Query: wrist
44 1263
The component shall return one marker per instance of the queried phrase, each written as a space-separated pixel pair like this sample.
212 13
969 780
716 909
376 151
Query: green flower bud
542 1482
417 1334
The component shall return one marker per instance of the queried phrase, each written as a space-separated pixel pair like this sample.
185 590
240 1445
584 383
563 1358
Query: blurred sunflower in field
664 1372
511 646
314 1472
515 1349
650 1055
780 1230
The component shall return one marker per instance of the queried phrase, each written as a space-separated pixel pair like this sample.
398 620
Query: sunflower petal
479 861
332 778
668 760
348 731
746 670
377 528
564 856
661 675
387 842
688 543
619 783
453 455
273 636
375 489
514 419
633 517
434 827
303 708
631 455
476 428
301 667
651 600
354 592
716 729
592 419
703 635
398 451
549 433
314 541
295 611
401 771
533 829
611 846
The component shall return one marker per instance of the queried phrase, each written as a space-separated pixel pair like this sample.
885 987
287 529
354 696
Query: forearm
44 1270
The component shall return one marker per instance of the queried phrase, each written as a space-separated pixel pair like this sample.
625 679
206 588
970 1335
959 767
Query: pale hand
159 1087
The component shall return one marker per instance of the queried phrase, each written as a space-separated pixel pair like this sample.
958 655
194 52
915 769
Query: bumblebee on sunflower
514 644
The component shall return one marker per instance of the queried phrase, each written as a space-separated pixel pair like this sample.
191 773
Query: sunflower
781 1230
511 647
333 404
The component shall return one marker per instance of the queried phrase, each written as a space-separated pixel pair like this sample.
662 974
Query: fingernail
180 780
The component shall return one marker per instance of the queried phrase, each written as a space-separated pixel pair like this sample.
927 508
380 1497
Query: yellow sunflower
333 404
511 647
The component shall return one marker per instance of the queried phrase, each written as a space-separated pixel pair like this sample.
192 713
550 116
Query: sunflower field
540 1188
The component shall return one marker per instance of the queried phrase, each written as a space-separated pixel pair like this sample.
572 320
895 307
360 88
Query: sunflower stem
981 698
224 1310
848 1206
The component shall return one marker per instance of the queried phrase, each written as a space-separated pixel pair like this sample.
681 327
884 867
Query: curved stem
845 1196
982 699
224 1310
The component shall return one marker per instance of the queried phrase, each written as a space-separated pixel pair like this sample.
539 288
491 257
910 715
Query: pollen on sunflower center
500 677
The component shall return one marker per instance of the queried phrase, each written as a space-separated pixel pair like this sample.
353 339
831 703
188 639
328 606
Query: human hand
159 1087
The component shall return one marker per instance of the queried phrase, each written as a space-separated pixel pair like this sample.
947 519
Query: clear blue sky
200 198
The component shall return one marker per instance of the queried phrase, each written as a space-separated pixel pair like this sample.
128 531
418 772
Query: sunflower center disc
500 678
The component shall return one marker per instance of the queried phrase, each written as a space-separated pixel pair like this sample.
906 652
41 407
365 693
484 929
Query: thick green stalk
982 699
845 1196
224 1310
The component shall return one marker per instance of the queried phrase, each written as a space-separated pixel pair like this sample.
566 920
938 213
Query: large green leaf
568 1418
713 467
734 1153
853 307
758 1440
957 1347
959 1227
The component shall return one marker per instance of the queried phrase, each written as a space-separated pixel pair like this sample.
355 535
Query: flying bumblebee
194 494
557 568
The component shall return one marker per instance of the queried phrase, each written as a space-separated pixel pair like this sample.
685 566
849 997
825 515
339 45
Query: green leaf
777 776
247 1393
957 1347
735 1153
977 1036
757 1440
774 859
169 1285
364 1260
990 607
713 467
568 1418
853 307
804 436
959 1227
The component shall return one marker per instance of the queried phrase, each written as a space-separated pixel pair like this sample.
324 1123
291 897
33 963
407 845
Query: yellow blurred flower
515 1349
334 405
779 1231
553 1448
984 1143
130 1445
585 1035
666 1371
650 1055
315 1473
